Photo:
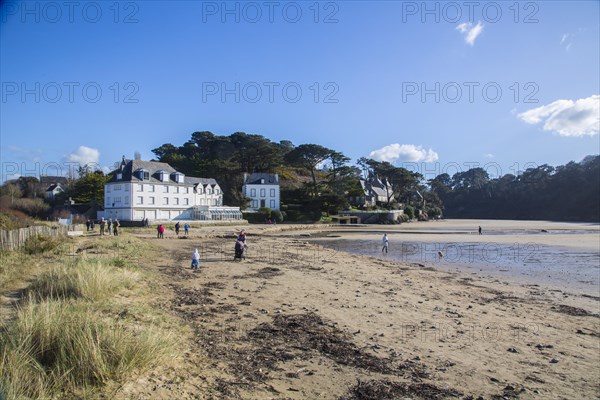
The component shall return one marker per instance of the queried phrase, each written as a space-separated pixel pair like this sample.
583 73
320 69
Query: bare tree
13 191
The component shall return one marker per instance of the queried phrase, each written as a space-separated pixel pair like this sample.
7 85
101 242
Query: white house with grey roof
263 191
154 190
52 191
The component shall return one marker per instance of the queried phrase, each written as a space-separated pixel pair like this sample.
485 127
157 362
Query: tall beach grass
66 338
15 265
62 346
87 279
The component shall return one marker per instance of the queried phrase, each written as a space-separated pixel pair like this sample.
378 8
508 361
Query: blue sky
361 68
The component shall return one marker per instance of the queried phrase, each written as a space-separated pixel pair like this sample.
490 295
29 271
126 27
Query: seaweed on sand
388 390
300 336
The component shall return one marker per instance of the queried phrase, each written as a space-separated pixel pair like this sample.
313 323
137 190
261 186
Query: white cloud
567 117
470 32
464 27
404 152
567 40
489 155
84 156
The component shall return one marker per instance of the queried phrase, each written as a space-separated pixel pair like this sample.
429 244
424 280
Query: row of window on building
263 192
262 204
116 201
175 189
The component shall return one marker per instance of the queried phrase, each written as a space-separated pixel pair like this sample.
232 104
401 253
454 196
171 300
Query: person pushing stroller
240 250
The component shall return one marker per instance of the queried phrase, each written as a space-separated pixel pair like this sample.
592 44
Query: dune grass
67 339
40 244
57 346
88 279
18 264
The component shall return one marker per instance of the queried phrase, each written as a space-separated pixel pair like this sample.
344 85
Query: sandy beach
298 320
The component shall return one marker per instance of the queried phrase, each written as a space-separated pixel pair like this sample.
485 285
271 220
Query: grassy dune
18 265
89 280
69 336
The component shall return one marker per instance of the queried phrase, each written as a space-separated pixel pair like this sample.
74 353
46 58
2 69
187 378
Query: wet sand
297 320
553 255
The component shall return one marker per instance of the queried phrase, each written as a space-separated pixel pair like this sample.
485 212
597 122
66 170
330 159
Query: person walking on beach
87 225
102 223
480 229
108 225
186 229
158 231
196 260
242 236
386 242
116 227
161 231
177 227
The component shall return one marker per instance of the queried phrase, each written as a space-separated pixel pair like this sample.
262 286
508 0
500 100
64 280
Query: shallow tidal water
554 267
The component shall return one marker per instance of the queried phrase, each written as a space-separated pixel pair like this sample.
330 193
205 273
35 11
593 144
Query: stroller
240 250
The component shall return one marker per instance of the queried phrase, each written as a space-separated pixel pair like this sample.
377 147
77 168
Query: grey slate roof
202 181
379 191
376 187
129 167
52 187
254 179
48 179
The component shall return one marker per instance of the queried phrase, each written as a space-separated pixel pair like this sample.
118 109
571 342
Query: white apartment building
148 189
262 190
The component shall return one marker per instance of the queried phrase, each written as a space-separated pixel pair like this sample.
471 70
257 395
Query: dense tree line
314 179
568 192
306 188
224 158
